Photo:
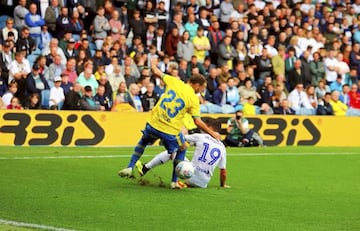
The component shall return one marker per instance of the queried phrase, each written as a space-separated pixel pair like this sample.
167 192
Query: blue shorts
171 142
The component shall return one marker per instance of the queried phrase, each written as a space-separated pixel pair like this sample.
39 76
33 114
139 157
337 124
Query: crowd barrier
75 128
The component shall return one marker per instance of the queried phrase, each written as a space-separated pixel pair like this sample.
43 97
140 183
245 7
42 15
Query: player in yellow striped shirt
166 119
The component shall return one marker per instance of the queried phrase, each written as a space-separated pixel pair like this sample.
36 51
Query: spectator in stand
69 50
51 14
149 98
65 40
305 68
10 93
191 26
232 93
54 46
86 78
9 27
115 25
215 35
88 102
72 98
34 22
65 84
284 108
63 23
134 71
33 102
25 42
201 45
296 75
103 81
317 69
226 9
78 24
343 68
137 25
119 95
344 94
103 99
226 53
354 101
321 89
70 70
176 23
132 97
263 67
57 96
192 64
14 104
55 69
19 69
220 99
6 57
278 61
45 37
129 78
339 107
185 47
290 60
36 82
355 57
331 67
336 85
172 41
101 27
162 15
115 78
324 107
248 90
299 101
311 95
159 42
249 107
20 12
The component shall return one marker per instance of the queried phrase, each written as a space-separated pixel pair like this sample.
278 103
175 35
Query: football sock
159 159
139 150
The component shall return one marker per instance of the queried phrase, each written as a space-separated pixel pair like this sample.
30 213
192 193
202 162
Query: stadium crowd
263 57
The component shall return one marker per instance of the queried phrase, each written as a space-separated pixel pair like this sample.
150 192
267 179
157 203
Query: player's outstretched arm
200 124
223 179
154 67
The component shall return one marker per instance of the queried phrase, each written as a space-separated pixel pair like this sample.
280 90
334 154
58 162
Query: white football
184 169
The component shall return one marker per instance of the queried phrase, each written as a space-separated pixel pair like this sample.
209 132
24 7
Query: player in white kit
209 154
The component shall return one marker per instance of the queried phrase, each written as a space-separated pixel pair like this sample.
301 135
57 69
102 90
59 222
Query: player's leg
159 159
180 156
150 135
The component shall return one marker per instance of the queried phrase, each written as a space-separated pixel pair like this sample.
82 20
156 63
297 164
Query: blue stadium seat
45 98
3 19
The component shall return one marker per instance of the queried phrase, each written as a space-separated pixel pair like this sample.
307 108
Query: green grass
296 189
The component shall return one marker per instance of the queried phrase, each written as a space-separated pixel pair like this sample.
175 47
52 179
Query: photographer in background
239 134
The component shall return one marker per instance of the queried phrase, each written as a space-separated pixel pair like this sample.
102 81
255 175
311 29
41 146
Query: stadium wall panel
75 128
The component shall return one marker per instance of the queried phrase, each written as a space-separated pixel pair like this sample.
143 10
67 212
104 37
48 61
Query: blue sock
139 150
174 176
180 156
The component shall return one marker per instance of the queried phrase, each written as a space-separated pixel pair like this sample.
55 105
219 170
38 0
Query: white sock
159 159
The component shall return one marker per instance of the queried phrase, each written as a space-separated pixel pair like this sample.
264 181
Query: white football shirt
209 154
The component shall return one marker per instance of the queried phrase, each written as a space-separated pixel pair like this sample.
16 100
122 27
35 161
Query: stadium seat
3 19
45 98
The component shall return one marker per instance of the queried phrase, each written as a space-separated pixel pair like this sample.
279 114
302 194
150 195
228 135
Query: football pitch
272 188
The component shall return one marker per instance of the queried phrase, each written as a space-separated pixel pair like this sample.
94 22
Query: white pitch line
33 226
147 155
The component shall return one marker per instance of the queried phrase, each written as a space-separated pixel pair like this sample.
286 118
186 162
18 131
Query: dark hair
200 79
211 122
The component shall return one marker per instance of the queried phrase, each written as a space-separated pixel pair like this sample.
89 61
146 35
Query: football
184 169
